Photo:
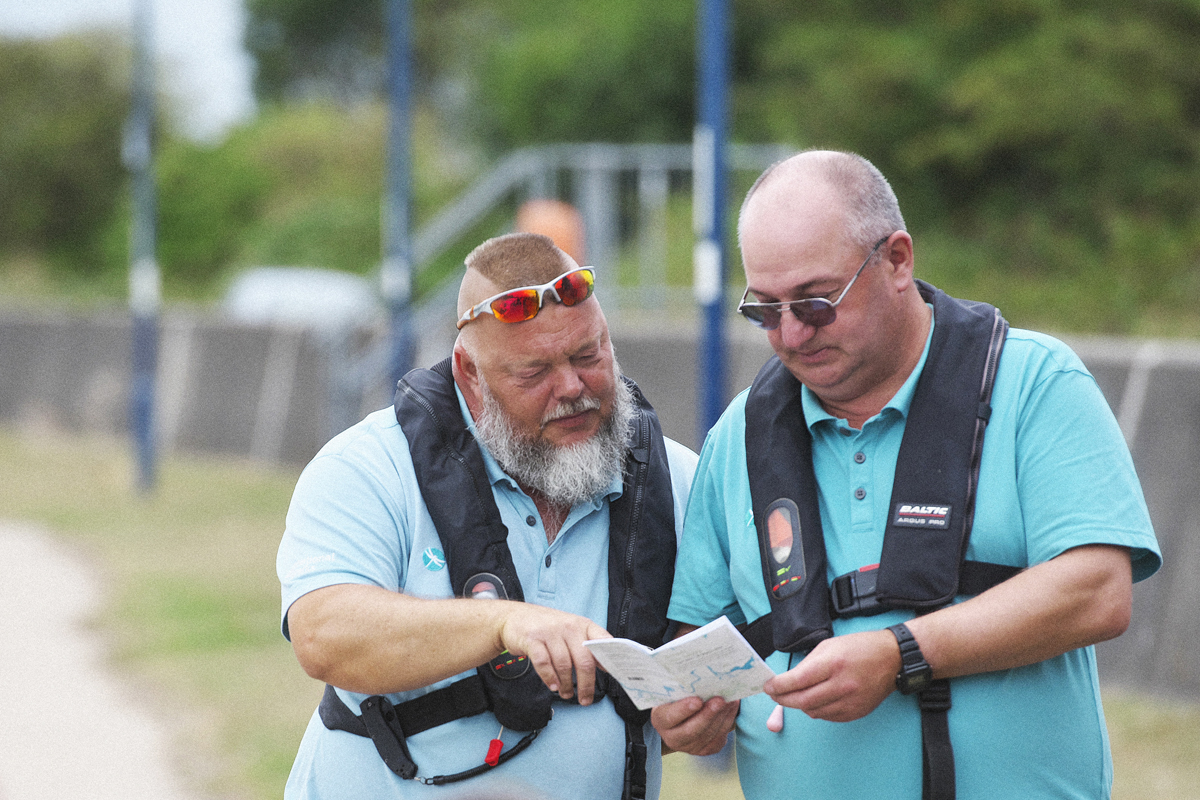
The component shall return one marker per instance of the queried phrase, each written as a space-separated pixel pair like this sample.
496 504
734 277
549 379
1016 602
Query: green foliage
63 104
585 71
1044 151
304 48
1058 138
310 179
208 196
513 72
300 185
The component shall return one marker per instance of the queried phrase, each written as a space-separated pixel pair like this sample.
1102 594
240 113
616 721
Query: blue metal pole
144 280
708 193
396 271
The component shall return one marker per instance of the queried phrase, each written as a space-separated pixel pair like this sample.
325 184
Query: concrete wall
231 389
278 394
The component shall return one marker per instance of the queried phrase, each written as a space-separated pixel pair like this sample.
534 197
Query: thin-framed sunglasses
814 311
522 303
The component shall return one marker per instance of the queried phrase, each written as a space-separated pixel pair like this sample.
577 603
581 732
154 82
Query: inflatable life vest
931 510
457 492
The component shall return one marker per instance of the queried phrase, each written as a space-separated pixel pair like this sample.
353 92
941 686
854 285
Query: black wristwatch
915 672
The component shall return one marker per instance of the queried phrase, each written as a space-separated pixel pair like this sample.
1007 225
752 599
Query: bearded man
445 559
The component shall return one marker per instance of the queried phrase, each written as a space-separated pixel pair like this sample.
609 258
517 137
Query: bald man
928 596
445 559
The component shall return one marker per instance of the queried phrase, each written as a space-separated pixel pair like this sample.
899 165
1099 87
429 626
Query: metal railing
621 191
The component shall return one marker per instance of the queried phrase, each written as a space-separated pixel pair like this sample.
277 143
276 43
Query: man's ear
898 254
466 375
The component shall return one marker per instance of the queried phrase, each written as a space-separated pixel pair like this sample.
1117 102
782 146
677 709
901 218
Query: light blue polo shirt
1056 474
357 517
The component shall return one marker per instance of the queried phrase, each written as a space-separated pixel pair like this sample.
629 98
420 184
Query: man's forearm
1077 599
374 641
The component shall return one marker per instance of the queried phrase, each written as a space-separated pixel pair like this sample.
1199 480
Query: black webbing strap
388 726
853 595
760 636
937 755
460 699
634 784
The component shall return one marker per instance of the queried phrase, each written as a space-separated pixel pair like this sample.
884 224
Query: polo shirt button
860 493
531 520
547 561
860 457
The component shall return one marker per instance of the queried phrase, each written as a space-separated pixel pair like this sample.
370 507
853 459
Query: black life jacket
922 565
454 484
932 505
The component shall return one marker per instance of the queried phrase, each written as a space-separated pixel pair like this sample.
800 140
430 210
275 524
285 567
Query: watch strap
915 673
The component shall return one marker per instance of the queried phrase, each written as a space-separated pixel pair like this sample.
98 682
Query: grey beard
568 475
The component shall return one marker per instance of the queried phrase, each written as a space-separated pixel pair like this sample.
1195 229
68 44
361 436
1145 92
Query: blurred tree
585 71
510 71
306 49
63 103
1056 132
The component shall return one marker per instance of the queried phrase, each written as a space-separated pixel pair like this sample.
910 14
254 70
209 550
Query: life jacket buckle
853 594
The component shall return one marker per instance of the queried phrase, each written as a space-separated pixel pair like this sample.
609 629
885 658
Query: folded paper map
708 662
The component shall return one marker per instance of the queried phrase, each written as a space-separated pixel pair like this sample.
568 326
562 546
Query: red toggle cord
494 748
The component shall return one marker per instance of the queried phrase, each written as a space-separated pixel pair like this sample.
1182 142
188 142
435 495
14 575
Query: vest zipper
635 516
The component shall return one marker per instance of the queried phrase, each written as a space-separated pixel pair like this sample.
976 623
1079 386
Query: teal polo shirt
357 516
1056 473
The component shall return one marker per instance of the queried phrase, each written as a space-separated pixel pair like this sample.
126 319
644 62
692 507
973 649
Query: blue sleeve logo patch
433 559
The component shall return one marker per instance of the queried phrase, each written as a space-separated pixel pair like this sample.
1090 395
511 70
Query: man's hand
842 679
553 642
694 726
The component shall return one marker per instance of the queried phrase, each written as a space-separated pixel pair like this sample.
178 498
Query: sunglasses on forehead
518 305
814 311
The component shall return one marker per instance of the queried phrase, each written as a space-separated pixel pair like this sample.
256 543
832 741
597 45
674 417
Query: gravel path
69 727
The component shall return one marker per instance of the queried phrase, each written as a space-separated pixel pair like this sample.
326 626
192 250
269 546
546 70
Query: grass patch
192 613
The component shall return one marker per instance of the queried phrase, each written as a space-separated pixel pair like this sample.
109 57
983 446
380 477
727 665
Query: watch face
915 681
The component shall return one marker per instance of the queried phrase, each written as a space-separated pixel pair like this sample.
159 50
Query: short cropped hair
518 259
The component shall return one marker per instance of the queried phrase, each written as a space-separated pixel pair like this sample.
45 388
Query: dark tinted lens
576 287
815 312
516 306
763 316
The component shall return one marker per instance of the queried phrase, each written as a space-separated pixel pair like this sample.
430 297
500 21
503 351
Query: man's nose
792 332
568 384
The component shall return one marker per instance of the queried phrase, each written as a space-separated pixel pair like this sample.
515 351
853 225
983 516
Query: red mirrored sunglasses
520 304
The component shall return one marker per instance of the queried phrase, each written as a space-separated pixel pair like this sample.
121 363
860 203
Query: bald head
810 181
